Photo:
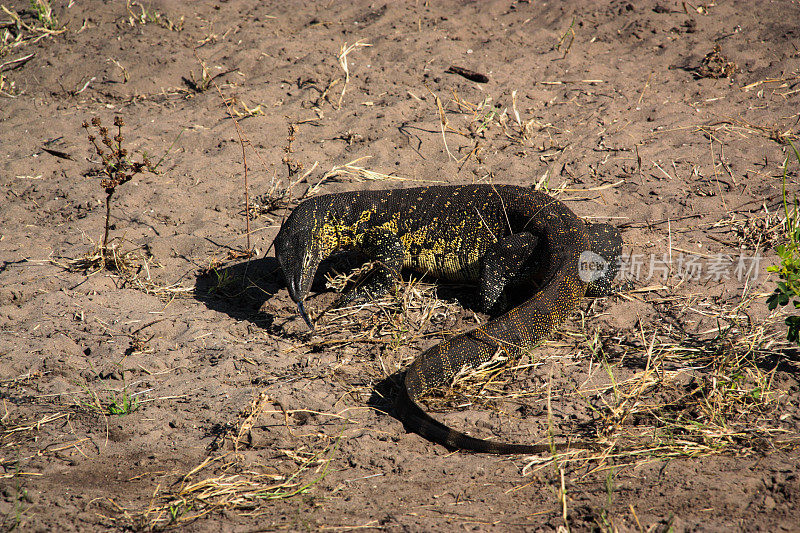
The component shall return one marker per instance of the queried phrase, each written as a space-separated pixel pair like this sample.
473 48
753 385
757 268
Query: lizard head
299 252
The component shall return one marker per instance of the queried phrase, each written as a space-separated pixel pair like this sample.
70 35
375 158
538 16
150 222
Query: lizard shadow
383 400
384 392
240 290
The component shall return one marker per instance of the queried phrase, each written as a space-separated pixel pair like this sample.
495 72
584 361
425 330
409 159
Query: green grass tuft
788 289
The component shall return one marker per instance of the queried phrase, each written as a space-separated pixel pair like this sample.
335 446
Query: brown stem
108 219
246 193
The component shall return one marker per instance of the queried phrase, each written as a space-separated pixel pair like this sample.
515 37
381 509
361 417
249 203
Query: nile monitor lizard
500 236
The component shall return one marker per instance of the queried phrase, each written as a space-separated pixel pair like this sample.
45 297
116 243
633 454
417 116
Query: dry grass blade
48 23
483 116
132 266
21 433
111 257
396 320
756 231
696 395
488 385
522 132
358 173
236 487
243 491
257 407
281 194
443 123
343 53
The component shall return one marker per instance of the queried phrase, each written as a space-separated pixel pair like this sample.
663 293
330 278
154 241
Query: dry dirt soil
178 388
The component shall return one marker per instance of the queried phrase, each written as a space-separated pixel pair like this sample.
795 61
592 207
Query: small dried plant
116 169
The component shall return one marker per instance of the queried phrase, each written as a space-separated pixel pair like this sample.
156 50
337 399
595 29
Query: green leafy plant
123 404
223 282
44 12
149 16
788 288
110 402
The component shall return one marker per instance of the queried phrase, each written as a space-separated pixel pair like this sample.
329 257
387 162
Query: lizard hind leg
509 262
386 250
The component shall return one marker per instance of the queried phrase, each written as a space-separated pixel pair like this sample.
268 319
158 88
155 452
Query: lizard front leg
386 250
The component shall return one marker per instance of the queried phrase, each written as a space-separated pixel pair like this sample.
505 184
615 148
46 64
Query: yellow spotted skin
468 233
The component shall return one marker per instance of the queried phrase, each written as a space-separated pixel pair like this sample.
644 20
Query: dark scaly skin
446 231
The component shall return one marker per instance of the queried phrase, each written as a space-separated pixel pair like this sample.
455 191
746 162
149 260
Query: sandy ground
183 389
